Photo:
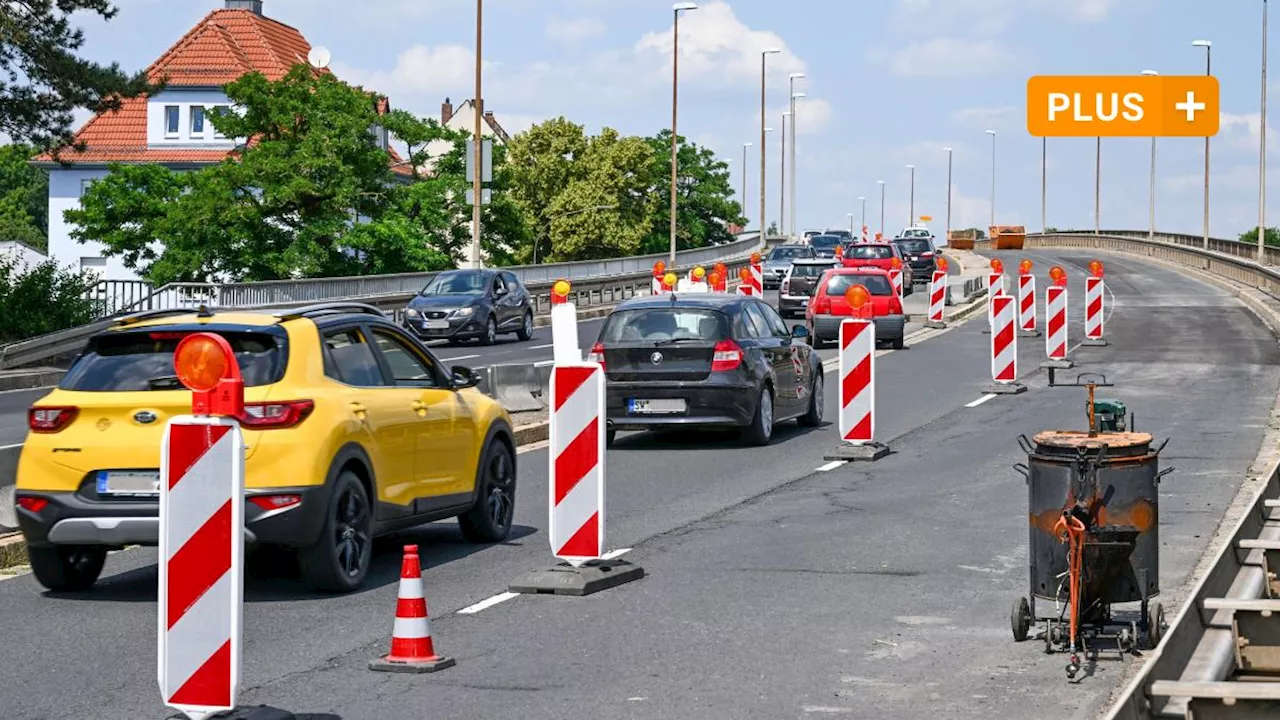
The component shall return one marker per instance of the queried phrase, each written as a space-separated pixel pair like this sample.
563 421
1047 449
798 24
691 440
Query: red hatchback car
828 308
879 255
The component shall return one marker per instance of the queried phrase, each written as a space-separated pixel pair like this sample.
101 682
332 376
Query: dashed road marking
461 357
830 466
541 347
487 603
544 363
979 401
10 447
613 554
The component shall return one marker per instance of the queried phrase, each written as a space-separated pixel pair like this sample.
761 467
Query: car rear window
143 360
869 252
645 325
915 246
824 240
786 253
875 284
809 271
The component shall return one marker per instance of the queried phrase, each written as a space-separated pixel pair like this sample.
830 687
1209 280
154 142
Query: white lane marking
544 363
460 357
830 466
612 554
979 401
487 603
10 447
541 347
531 447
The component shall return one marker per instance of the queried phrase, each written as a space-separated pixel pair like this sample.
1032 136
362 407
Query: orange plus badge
1122 106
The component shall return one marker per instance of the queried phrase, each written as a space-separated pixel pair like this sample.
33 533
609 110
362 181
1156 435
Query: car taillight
275 502
50 419
597 354
728 356
822 306
928 254
276 415
32 504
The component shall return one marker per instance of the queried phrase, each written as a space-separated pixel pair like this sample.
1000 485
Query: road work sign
1122 106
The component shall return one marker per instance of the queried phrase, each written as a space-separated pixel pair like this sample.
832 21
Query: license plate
664 406
436 324
141 482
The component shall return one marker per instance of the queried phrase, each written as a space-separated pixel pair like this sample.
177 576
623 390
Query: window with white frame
197 121
171 121
93 263
84 185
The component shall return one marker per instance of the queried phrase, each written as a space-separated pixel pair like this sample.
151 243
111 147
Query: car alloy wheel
500 482
819 403
528 324
351 532
766 412
491 332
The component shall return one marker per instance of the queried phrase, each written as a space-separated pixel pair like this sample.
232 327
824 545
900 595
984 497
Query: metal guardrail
390 293
1220 658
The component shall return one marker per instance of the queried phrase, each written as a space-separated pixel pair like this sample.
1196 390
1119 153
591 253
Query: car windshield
869 252
456 283
787 253
652 325
916 234
915 246
809 271
139 361
875 284
824 241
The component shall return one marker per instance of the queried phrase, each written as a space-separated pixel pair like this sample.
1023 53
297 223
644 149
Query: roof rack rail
328 308
154 314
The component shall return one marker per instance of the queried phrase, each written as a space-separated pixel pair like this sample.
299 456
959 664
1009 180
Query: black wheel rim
79 560
492 330
528 324
500 489
351 532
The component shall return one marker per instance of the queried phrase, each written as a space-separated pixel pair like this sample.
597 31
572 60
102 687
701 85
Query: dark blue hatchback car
471 305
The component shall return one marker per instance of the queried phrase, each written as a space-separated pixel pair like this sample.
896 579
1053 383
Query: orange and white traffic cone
411 648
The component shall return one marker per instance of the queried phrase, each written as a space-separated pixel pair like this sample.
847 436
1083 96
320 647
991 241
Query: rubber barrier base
1094 342
934 325
262 712
1028 333
1005 388
564 579
1057 364
867 452
424 666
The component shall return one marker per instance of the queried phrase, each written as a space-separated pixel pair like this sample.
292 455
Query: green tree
606 210
540 164
773 229
1251 236
41 299
312 196
505 234
705 196
44 80
24 197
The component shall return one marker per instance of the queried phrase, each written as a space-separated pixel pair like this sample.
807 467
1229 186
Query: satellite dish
319 57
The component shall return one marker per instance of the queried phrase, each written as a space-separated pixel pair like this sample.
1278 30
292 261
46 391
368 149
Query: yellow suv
352 429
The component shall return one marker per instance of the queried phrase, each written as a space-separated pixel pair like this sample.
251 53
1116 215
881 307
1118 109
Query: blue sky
890 82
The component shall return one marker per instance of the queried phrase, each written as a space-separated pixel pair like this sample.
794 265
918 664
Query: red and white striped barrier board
1027 302
864 235
657 285
757 279
201 564
857 381
995 288
577 439
937 296
895 277
1055 313
1093 307
1004 340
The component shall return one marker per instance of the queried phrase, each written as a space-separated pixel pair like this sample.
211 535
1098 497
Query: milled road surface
774 591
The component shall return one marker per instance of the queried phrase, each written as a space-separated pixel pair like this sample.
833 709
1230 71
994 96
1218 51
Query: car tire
489 519
899 343
813 418
490 335
610 436
760 431
67 568
339 559
526 327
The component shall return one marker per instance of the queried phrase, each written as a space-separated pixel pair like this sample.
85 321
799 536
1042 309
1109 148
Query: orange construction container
1008 237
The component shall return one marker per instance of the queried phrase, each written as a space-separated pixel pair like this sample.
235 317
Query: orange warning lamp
205 363
560 292
859 299
669 280
699 273
996 265
714 279
1095 268
942 265
896 263
755 258
840 251
1058 275
744 275
720 268
659 268
879 237
1025 266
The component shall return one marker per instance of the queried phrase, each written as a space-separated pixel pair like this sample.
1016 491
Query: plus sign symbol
1190 106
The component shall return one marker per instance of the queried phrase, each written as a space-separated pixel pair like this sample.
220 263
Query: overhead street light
948 229
992 133
764 56
881 182
794 96
1208 66
676 9
863 200
1151 223
745 145
782 173
911 205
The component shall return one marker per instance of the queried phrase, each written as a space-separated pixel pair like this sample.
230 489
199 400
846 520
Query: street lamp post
911 203
1208 67
1262 148
478 108
1151 227
764 56
1044 184
1097 190
881 182
794 96
787 119
745 145
850 216
992 133
676 9
948 230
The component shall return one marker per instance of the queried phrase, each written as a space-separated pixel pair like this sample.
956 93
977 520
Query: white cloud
574 30
421 69
1088 11
984 117
951 57
1242 132
988 18
716 47
814 115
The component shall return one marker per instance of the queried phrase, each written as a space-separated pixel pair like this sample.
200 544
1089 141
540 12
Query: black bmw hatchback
707 361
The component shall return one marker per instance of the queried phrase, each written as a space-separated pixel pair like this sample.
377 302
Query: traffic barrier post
864 235
857 383
744 282
564 325
937 299
1094 306
659 270
201 567
1027 303
1004 348
757 275
412 648
1056 315
895 277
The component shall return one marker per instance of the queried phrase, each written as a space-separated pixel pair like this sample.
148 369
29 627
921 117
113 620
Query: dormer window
171 119
197 121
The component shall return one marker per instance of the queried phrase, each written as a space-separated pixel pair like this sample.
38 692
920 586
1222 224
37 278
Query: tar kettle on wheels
1094 525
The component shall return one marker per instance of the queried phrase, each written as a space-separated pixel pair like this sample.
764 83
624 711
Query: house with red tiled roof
172 127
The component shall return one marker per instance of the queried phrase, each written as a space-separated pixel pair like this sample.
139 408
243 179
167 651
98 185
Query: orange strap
1070 530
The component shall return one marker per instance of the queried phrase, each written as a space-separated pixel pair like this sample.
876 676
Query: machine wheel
1020 619
1155 626
340 558
489 520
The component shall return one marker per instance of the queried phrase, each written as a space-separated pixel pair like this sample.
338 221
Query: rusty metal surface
1073 439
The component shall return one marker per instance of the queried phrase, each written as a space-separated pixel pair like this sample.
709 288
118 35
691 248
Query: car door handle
419 407
358 410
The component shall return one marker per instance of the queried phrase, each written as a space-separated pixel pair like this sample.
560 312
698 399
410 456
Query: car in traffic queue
352 429
799 284
779 261
458 305
880 255
829 307
920 255
706 361
824 246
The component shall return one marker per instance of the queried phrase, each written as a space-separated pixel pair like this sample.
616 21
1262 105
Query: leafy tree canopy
40 299
1251 236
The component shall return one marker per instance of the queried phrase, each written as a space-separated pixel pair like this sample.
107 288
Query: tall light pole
1097 190
948 230
676 9
745 145
764 56
863 200
477 105
1151 227
911 203
787 119
1044 184
1262 148
850 216
992 133
1208 67
791 88
881 182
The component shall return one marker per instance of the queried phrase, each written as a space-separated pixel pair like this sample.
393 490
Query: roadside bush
41 299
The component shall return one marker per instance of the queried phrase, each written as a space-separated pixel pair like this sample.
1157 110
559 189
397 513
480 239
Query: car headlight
464 312
410 312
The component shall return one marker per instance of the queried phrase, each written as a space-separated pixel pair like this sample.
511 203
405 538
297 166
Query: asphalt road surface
779 585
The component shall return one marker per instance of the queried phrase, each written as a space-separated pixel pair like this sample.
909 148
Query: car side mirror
464 377
799 332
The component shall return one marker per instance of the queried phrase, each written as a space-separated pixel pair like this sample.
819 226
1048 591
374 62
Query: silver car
779 261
